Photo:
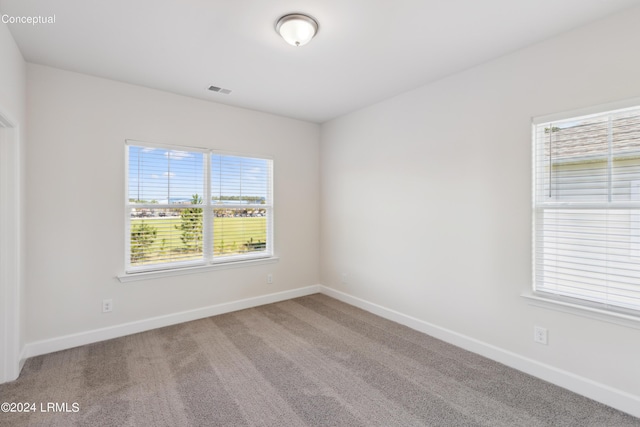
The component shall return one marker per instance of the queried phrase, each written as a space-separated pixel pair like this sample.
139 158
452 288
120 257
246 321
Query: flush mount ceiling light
297 29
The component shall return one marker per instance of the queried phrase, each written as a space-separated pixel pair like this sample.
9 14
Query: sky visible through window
171 176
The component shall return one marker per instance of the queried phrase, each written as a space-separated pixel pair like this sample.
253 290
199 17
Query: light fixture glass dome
297 29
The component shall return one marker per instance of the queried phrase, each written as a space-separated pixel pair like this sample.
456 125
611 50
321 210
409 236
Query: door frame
10 248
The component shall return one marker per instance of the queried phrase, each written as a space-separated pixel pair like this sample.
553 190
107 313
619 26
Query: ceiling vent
219 90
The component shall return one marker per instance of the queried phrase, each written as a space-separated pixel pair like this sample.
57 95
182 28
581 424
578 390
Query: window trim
158 274
584 308
586 111
208 262
570 306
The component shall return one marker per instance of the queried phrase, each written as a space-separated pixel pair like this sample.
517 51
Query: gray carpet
311 361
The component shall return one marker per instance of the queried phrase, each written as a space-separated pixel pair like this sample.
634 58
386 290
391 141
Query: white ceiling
365 50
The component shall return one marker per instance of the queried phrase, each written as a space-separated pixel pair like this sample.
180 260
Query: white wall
12 75
426 199
13 140
75 200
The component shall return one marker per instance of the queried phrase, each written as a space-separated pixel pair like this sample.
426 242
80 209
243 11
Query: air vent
219 90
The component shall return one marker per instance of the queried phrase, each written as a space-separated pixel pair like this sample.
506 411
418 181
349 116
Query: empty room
319 213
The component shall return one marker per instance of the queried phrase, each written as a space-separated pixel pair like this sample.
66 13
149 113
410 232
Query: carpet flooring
310 361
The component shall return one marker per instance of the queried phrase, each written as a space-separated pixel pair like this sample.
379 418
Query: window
193 207
587 209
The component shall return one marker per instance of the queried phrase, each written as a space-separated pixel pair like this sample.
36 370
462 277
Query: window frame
208 261
539 298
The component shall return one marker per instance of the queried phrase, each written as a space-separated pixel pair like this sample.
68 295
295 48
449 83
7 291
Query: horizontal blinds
167 236
162 176
189 207
587 208
242 199
238 231
240 180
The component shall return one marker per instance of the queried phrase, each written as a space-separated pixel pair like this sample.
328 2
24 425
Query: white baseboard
74 340
602 393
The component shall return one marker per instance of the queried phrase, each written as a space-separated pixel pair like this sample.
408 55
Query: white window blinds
195 207
587 209
241 196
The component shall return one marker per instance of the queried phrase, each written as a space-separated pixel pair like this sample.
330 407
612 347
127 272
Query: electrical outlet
269 278
107 305
540 335
344 277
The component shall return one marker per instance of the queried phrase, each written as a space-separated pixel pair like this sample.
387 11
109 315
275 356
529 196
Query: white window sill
147 275
617 318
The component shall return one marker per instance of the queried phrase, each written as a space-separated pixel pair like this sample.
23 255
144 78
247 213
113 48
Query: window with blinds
587 209
190 207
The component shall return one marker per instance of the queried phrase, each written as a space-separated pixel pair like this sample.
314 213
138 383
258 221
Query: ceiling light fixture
297 29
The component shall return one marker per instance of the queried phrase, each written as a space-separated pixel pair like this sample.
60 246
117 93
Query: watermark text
33 20
53 407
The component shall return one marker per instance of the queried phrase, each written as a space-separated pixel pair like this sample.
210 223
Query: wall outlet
269 278
540 335
107 305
